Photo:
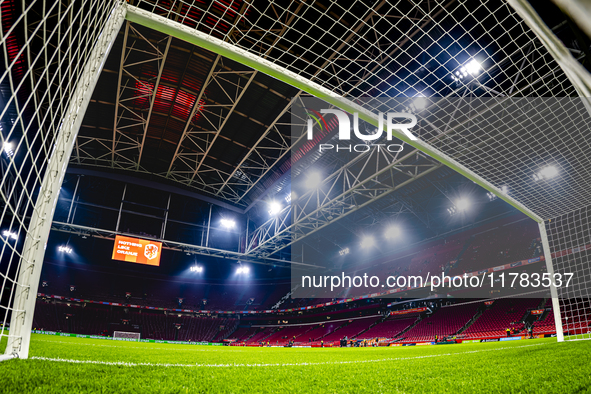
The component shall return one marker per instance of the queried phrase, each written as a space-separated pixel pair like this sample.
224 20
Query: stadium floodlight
473 67
196 268
228 223
344 251
64 249
392 232
452 210
243 270
419 103
288 197
548 172
313 180
274 208
7 147
8 234
462 204
368 242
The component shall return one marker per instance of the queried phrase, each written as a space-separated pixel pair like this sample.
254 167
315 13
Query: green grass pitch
103 366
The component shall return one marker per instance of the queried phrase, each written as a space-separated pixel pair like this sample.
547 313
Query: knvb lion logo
345 129
151 251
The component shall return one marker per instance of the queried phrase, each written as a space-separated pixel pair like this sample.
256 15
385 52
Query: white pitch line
131 364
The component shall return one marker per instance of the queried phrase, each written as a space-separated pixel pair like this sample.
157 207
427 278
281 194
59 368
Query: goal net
126 336
52 54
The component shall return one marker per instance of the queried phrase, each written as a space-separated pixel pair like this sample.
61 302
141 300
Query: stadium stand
474 320
243 333
502 314
519 240
455 254
576 313
389 328
447 321
63 317
284 335
351 329
546 324
261 335
160 291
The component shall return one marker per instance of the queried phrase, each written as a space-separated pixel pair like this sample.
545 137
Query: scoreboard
137 250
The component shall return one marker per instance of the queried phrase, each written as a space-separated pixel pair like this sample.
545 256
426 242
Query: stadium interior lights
367 242
463 204
228 223
64 249
9 234
196 268
313 180
452 210
419 103
344 251
548 172
288 197
491 196
7 147
274 208
472 68
243 270
392 232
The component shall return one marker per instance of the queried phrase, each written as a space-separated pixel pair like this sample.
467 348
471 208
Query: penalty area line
248 365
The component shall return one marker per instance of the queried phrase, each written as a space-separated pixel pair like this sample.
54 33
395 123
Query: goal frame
31 262
25 292
123 338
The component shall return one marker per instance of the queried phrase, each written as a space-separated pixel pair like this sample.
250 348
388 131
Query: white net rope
355 49
399 49
537 150
570 245
362 48
44 46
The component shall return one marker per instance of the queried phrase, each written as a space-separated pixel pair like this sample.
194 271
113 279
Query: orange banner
135 250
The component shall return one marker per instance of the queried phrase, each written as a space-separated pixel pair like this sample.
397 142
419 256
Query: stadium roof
184 114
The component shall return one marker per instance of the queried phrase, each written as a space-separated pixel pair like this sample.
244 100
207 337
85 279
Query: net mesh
354 49
44 47
570 244
406 49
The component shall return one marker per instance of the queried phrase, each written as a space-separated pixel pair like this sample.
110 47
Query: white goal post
52 61
126 336
36 150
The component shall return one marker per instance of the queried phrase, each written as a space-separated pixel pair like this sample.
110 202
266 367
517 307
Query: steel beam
179 246
240 55
254 151
153 99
